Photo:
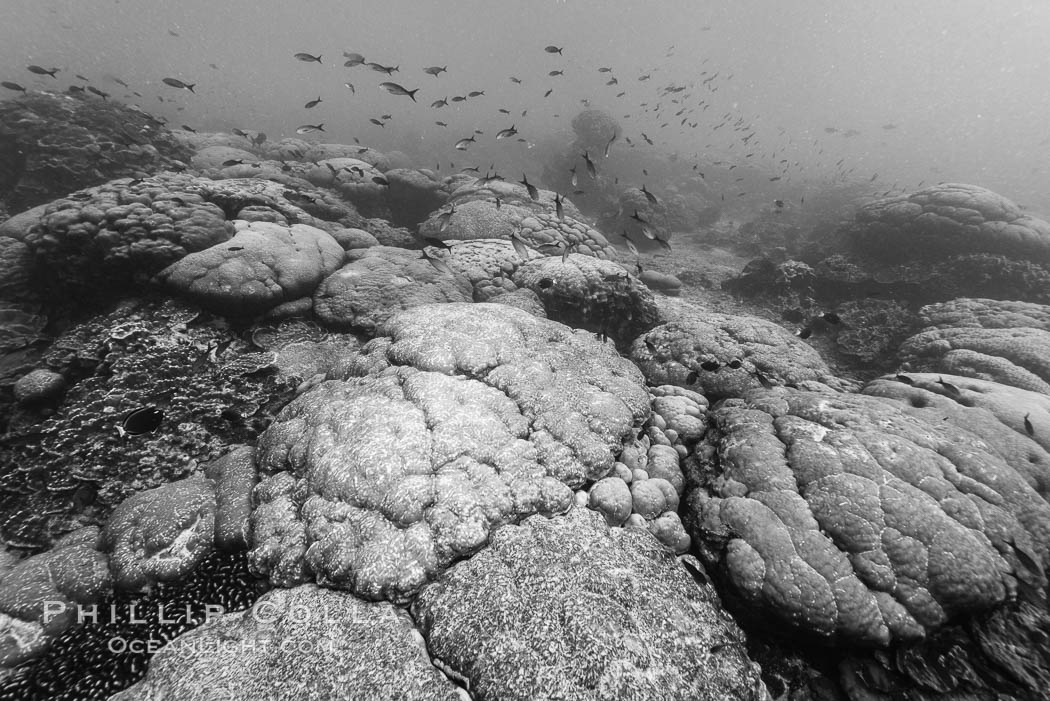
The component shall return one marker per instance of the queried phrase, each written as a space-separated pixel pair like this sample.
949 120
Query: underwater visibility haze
571 349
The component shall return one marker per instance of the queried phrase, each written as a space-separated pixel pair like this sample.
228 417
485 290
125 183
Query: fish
1028 428
710 365
779 204
533 192
379 180
12 86
435 70
613 81
575 178
40 70
441 124
313 103
189 129
605 69
444 218
176 83
438 104
630 244
948 386
395 89
378 123
96 91
439 265
475 93
545 283
692 377
830 317
905 379
609 145
353 59
507 133
649 196
308 58
499 203
172 32
459 98
520 247
351 87
553 49
437 243
308 128
235 248
141 421
515 80
463 143
804 333
504 111
380 68
239 132
735 364
774 179
554 73
763 380
233 162
558 209
548 93
591 170
118 81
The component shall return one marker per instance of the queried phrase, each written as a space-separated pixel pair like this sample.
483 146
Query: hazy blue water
964 80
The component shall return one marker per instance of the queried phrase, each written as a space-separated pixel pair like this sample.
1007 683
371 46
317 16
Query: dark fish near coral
692 377
591 170
1028 428
710 365
735 364
545 283
313 103
552 49
92 89
649 196
439 265
462 144
40 70
507 133
308 128
437 243
804 333
444 217
499 203
232 162
948 386
435 70
308 58
763 380
12 86
830 317
558 209
520 247
176 83
533 192
630 244
905 379
395 89
189 129
379 180
141 421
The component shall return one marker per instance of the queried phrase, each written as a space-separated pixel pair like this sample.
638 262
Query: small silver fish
309 128
395 89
